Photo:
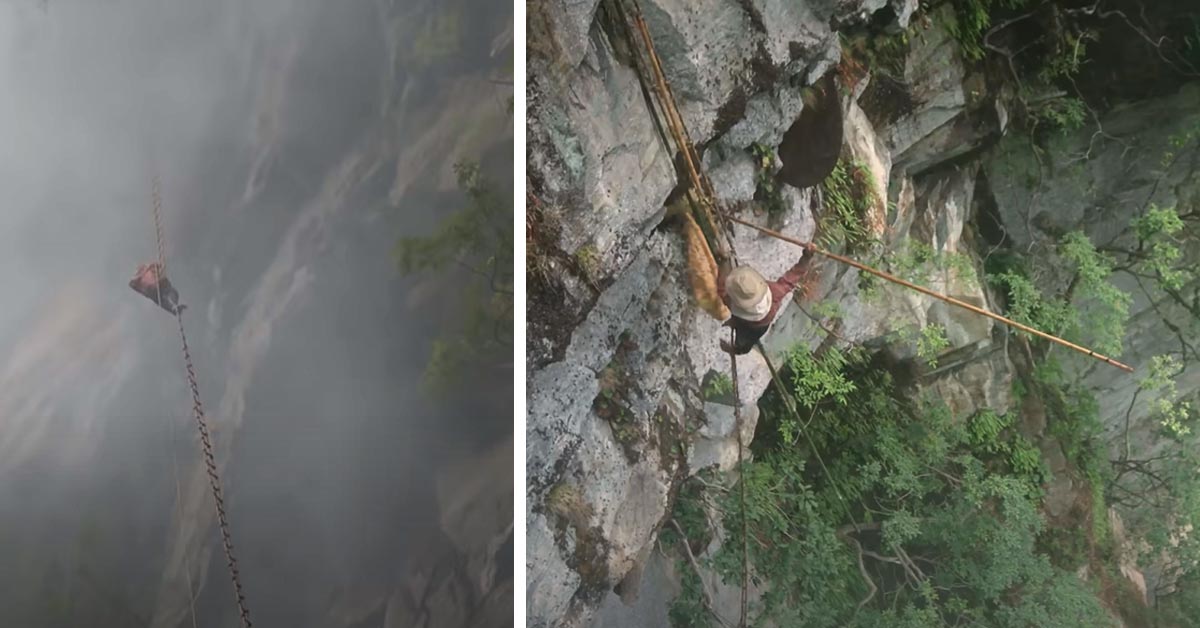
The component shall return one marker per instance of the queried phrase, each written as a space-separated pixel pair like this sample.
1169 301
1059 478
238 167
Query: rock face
1097 183
317 134
618 405
617 413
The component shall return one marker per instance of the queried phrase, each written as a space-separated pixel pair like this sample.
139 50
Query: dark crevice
987 213
756 18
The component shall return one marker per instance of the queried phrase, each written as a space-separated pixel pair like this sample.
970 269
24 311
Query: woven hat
749 296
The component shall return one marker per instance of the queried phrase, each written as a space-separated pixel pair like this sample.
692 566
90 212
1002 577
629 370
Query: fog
294 146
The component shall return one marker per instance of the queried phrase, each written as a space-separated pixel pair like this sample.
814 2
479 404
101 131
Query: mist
295 141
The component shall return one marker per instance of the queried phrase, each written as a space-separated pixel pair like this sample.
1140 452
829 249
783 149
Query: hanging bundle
702 269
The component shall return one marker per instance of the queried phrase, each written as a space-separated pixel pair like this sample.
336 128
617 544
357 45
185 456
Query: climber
152 283
754 301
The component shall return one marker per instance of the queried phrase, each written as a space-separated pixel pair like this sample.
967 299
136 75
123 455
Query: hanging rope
214 480
700 193
187 567
702 199
809 246
737 425
156 194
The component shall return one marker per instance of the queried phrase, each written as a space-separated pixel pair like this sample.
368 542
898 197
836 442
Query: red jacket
747 333
150 282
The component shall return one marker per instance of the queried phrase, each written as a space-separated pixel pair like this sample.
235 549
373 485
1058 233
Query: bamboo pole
941 297
701 193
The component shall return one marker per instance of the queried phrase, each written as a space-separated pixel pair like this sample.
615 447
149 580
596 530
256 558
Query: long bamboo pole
701 193
941 297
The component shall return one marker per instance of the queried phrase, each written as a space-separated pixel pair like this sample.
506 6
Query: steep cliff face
619 355
1097 183
414 97
622 324
296 142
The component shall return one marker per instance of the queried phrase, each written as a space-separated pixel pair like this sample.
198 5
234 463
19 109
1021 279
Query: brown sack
702 270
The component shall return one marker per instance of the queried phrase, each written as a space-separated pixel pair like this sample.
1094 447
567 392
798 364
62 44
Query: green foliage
931 343
919 263
946 509
1174 414
477 239
687 610
848 194
1092 310
1191 52
1158 496
1027 304
1040 64
589 261
767 191
820 377
1181 607
1159 229
828 309
881 52
972 20
1063 114
719 385
1070 51
1105 307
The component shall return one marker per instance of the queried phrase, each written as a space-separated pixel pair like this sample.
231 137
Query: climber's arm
792 277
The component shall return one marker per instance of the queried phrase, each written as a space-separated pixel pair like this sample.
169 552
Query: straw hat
749 296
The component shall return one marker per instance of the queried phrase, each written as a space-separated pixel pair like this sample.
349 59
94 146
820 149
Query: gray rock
717 445
602 167
1098 184
934 74
658 589
904 10
614 171
732 178
766 117
570 21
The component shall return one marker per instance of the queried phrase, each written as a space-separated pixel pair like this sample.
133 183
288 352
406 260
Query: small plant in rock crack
931 343
1062 114
588 260
767 190
920 263
972 19
848 195
718 386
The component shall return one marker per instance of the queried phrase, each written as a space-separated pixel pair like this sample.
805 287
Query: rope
187 568
790 403
214 479
156 194
701 193
702 198
737 425
937 295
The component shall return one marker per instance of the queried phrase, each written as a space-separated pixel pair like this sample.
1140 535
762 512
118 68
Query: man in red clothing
754 301
150 282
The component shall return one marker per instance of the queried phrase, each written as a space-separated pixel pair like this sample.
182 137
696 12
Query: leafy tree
897 513
1148 469
475 242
